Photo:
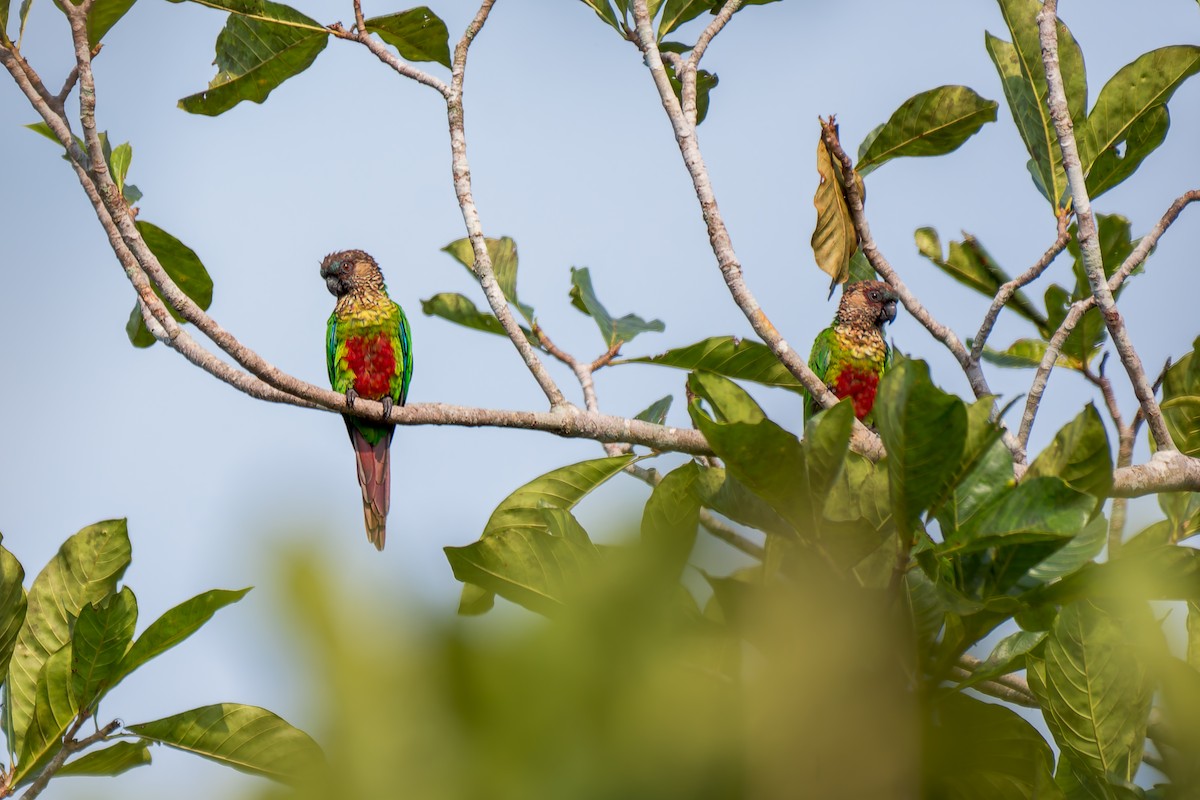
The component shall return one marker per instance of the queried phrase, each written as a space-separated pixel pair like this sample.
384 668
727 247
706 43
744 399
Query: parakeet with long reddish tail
368 350
851 355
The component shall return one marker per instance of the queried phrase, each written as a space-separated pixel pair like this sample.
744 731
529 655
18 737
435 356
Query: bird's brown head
867 303
350 270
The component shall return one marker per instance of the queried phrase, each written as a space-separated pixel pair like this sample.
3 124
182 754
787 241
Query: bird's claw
351 396
387 407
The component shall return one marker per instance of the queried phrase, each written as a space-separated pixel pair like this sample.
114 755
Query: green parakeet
851 355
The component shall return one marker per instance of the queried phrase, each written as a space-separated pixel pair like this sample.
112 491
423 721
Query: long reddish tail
375 478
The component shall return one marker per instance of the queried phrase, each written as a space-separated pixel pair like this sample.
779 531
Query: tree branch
1089 242
70 746
864 441
1010 288
1166 471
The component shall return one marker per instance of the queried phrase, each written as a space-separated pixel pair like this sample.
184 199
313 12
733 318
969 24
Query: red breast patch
373 362
860 385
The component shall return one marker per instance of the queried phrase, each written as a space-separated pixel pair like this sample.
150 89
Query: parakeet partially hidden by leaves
369 354
851 354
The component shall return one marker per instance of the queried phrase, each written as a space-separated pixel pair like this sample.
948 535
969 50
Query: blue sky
572 156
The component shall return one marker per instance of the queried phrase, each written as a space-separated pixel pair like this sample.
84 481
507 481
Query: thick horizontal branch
1166 471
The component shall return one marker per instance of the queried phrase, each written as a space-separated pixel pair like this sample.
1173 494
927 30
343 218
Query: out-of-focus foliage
69 640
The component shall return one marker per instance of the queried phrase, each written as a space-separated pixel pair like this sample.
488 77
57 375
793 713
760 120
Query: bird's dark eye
874 296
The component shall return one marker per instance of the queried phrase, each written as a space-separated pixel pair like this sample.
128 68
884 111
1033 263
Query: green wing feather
819 361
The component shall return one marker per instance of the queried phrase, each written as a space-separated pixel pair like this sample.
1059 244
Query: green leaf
175 625
1022 353
985 469
677 12
1116 164
1193 635
978 750
459 309
503 255
111 761
1035 509
122 154
729 402
1097 691
1181 401
183 266
721 492
521 520
656 412
560 488
1116 244
826 443
604 11
924 430
247 738
671 517
1079 454
1084 342
1023 77
526 565
12 606
101 18
1138 89
4 7
86 569
764 458
740 359
1083 547
971 265
931 123
861 269
613 331
101 635
418 33
53 710
834 240
261 46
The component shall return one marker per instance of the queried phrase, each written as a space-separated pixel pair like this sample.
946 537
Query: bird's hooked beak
330 271
889 309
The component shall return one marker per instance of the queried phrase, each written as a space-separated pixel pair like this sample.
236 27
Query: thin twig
70 746
1006 292
380 51
1089 241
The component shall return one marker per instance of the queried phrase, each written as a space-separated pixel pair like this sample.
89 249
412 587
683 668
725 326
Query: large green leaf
613 331
1116 164
971 265
53 710
671 516
459 309
677 12
720 491
741 359
526 565
560 488
503 254
101 636
86 569
1036 509
12 606
113 760
520 521
1181 401
1140 88
1079 454
984 751
261 46
174 626
764 458
1083 547
418 33
924 430
1023 76
834 240
1097 690
728 401
185 268
247 738
826 443
985 469
1023 353
931 123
